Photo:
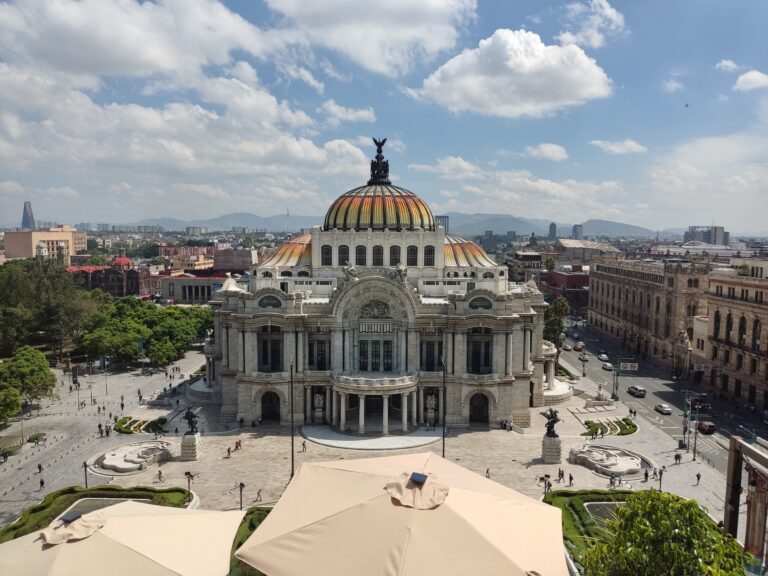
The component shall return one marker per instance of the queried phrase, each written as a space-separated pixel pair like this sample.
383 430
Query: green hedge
251 521
41 515
630 427
123 425
156 426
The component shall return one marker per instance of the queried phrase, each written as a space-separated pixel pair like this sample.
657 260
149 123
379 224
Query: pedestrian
602 431
655 474
303 445
612 480
559 474
258 495
698 478
646 474
487 472
70 389
122 406
42 484
39 468
242 421
122 398
98 409
570 479
229 452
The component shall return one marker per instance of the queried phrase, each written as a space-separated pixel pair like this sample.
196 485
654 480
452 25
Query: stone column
208 372
343 410
498 359
336 396
361 414
526 349
402 350
300 351
421 405
460 361
413 351
448 351
404 406
551 375
757 506
337 349
414 415
307 403
385 415
328 404
440 410
509 355
241 350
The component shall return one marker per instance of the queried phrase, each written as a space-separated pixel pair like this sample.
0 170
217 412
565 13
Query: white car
663 408
608 366
567 347
584 357
603 357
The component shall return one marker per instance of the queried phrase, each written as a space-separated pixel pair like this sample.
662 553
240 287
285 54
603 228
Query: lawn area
251 521
40 515
579 527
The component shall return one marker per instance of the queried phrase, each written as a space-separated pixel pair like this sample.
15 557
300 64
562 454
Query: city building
27 217
379 320
443 221
582 251
708 234
553 231
695 249
577 232
571 283
738 310
649 306
59 243
235 261
186 288
196 230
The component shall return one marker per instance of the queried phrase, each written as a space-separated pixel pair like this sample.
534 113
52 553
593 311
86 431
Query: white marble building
369 314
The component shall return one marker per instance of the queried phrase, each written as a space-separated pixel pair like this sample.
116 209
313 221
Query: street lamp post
696 432
293 451
661 475
445 400
85 473
106 383
189 476
241 486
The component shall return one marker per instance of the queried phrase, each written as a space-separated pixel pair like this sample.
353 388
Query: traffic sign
630 366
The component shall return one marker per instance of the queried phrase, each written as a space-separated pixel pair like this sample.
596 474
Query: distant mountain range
460 223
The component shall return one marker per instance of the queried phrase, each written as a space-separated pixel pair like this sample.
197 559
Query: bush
630 427
593 426
122 425
36 437
156 426
253 517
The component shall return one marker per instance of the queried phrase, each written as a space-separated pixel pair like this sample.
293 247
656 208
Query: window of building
378 256
739 361
304 274
431 353
756 331
394 255
286 274
728 327
412 256
480 303
742 332
326 255
752 393
266 274
343 255
318 355
737 388
488 275
171 289
753 366
479 351
360 254
270 302
716 325
429 255
271 349
726 357
670 282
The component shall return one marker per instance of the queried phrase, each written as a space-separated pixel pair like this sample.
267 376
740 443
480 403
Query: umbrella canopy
127 539
370 516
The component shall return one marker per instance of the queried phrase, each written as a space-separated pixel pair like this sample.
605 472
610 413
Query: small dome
379 205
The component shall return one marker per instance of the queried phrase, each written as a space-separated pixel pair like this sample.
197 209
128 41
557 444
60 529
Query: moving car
567 347
608 366
578 347
584 357
706 427
603 357
636 391
663 408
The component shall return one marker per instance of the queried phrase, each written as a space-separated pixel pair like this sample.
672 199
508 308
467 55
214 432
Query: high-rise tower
27 217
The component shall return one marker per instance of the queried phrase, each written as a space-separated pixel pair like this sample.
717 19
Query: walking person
698 478
258 495
229 452
487 472
42 484
570 479
39 468
303 445
646 474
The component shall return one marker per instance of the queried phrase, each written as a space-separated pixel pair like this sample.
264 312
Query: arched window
378 256
304 274
326 255
394 255
286 274
266 274
270 339
412 256
270 302
716 325
480 304
487 275
479 351
742 331
756 329
728 327
501 274
343 255
429 255
360 255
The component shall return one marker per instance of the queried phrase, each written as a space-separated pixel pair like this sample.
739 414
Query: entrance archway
478 409
270 407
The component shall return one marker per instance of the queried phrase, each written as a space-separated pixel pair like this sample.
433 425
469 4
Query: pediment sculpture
375 309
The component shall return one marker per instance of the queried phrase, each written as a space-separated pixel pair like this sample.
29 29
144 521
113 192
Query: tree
28 372
553 320
549 263
162 352
659 534
10 402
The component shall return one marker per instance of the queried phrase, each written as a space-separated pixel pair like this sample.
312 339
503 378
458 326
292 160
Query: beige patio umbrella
127 539
368 516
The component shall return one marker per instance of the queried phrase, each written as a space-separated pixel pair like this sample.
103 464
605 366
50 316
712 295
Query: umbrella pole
293 451
445 400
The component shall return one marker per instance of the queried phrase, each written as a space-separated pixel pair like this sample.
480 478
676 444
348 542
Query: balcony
374 382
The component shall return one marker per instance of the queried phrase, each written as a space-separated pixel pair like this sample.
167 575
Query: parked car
706 427
636 391
584 357
608 366
575 335
567 347
603 357
578 347
663 408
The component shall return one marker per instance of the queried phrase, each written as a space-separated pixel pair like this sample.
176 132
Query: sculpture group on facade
552 419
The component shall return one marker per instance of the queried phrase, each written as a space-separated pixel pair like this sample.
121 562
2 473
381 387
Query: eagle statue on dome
379 166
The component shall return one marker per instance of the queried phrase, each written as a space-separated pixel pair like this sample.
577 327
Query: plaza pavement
264 461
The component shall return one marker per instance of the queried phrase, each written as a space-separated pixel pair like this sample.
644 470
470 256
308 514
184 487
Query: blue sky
652 113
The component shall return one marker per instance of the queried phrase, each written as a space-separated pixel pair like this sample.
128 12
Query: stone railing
374 382
481 378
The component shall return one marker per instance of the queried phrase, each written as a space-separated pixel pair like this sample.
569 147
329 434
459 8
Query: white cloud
513 74
301 73
367 142
672 85
590 24
450 168
553 152
337 114
727 66
386 36
10 188
618 147
752 80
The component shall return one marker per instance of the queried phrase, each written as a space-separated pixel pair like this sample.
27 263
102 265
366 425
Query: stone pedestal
191 446
551 450
319 415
